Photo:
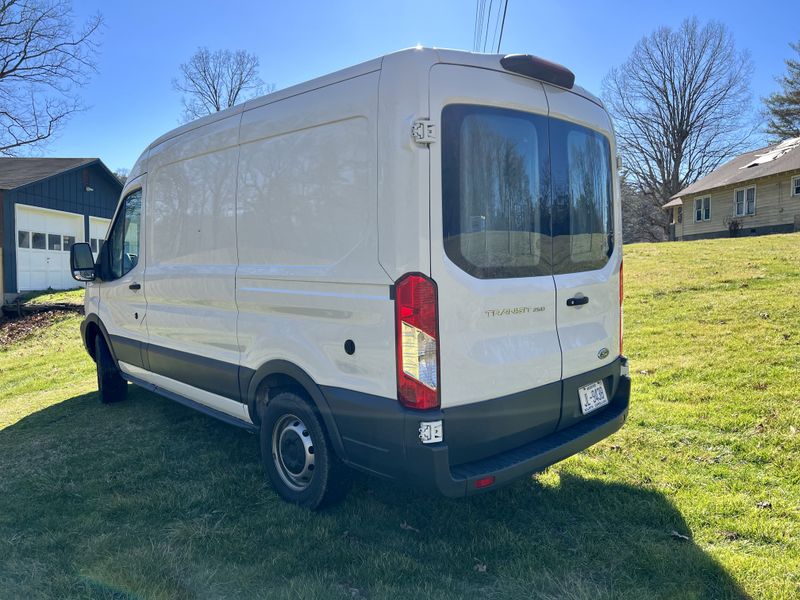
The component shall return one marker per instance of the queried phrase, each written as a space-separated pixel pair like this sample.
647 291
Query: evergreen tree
782 109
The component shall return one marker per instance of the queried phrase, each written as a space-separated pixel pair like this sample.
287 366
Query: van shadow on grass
147 498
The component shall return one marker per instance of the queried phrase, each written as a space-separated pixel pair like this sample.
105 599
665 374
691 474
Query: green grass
147 499
53 297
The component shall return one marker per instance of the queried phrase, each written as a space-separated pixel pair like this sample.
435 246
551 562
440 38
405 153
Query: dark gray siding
65 191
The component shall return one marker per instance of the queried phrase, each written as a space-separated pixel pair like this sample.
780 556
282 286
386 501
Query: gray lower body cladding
504 437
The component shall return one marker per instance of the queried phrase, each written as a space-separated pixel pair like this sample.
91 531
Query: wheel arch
91 327
280 374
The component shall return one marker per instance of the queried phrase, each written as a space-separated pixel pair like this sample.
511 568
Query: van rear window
495 182
523 194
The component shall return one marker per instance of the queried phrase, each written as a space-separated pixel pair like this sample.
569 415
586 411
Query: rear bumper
535 456
382 438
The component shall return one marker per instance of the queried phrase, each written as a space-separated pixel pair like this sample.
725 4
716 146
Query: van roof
434 55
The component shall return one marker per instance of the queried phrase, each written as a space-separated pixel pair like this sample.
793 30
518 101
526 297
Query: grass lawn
698 496
53 297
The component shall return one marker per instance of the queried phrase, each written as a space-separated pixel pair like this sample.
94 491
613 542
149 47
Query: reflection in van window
511 180
494 180
589 192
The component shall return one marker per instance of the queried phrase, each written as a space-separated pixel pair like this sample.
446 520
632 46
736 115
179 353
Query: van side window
124 237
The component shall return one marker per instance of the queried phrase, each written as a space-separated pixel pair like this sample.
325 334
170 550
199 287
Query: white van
412 267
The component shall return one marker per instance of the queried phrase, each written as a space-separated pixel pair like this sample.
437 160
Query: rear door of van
500 371
587 251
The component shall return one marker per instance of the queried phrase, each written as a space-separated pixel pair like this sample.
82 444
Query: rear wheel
110 384
297 455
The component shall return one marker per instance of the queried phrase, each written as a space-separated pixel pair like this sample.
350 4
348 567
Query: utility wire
496 24
488 20
502 26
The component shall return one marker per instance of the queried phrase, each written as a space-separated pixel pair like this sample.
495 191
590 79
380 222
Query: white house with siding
755 193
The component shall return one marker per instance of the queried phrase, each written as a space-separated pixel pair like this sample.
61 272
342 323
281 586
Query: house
753 194
46 205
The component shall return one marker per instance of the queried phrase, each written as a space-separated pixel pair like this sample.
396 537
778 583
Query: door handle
578 301
135 286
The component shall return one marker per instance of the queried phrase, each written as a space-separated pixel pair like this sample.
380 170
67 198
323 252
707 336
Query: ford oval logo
602 353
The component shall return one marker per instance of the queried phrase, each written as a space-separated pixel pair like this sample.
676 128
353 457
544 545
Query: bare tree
43 57
681 105
122 174
214 81
782 109
643 219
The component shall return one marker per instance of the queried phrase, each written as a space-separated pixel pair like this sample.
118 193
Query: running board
219 415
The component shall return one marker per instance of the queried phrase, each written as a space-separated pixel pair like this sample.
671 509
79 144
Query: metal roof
771 160
16 172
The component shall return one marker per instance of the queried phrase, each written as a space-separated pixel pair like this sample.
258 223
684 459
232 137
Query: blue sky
131 101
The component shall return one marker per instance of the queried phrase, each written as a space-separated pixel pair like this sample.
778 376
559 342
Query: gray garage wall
66 192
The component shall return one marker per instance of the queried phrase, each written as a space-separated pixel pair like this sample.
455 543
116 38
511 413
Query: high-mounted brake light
621 297
539 68
417 340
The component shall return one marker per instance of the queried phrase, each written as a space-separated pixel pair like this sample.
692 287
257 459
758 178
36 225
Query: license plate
592 396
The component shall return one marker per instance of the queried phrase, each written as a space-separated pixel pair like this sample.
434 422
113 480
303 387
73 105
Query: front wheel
110 384
297 455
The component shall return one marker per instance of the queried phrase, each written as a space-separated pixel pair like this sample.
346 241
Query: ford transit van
412 267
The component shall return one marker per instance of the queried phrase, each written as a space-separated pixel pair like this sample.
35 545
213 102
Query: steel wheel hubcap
293 452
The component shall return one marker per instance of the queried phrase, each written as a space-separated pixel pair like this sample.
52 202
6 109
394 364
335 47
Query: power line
502 26
488 20
496 23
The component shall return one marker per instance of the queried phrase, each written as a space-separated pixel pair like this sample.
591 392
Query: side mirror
82 262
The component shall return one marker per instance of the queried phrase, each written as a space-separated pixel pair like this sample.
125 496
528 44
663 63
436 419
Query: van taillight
621 296
417 335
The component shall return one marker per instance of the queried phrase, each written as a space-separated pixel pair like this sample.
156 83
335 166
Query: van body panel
589 333
191 252
497 336
309 278
403 167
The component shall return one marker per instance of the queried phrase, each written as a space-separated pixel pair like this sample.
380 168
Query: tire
110 384
297 455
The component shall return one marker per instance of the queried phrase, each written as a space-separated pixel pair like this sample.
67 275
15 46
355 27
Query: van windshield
523 194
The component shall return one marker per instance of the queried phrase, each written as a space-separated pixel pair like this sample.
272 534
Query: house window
54 242
744 201
702 209
24 239
796 186
39 241
680 214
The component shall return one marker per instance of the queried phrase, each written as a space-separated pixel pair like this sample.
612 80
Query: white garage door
44 238
97 233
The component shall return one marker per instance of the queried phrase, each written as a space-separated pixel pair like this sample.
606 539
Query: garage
97 233
47 205
44 239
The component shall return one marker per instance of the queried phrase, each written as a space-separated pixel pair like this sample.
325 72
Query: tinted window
523 194
583 216
495 184
124 236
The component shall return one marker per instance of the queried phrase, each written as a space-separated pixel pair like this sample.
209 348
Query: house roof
770 160
16 172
